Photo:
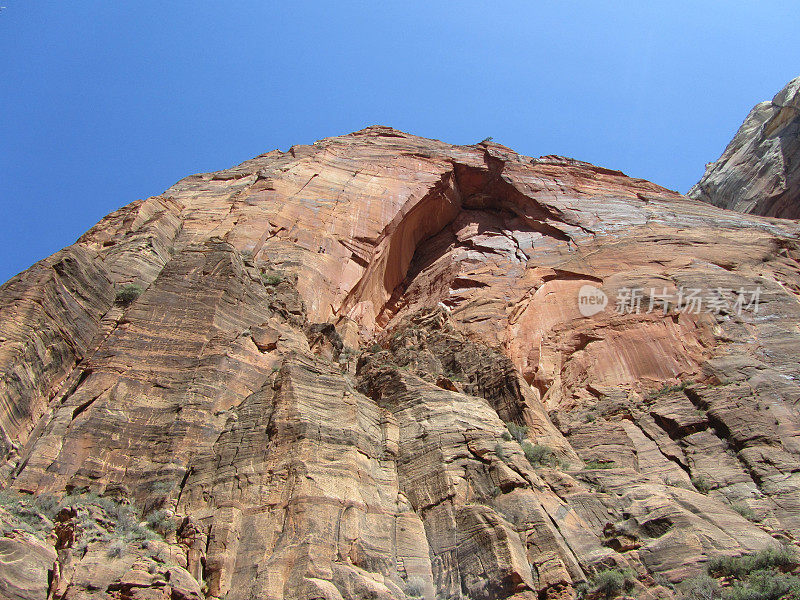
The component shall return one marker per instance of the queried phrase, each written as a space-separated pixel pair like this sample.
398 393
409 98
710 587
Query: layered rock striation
360 369
759 172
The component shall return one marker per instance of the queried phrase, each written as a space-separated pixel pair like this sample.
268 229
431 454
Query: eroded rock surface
759 172
316 382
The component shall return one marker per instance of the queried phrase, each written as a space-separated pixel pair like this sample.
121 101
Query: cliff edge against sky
759 172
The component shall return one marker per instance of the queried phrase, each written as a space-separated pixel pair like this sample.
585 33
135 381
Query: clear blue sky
103 102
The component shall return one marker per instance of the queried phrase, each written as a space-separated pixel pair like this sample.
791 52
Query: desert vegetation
766 575
128 293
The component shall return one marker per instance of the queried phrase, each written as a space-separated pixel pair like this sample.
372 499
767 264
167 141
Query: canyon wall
361 369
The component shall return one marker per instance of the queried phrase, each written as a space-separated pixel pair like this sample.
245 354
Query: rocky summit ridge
368 368
759 172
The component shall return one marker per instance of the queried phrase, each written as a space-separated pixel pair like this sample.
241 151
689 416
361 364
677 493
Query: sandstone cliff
759 172
359 369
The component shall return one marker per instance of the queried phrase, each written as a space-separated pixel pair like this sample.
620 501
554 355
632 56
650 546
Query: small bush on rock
782 558
517 432
499 452
117 548
162 488
128 293
702 484
106 520
610 583
537 454
161 521
596 464
669 389
766 585
29 513
701 587
745 511
415 587
271 278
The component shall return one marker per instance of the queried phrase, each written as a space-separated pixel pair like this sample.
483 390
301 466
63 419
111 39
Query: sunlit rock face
312 390
759 172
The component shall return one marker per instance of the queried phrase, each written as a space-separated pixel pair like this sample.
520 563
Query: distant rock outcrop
363 368
759 172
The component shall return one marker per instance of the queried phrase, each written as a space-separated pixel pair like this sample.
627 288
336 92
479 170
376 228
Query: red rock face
309 397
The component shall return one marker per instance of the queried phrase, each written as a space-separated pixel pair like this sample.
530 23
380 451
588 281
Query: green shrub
760 576
162 488
47 504
766 585
117 548
499 452
701 587
745 511
271 278
507 436
596 464
124 518
26 512
415 587
518 432
10 499
611 582
128 293
537 454
540 455
726 566
669 388
79 498
662 581
160 521
675 482
702 484
783 558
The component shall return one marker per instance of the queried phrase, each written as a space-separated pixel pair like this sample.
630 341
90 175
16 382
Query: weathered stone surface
25 566
313 386
759 172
